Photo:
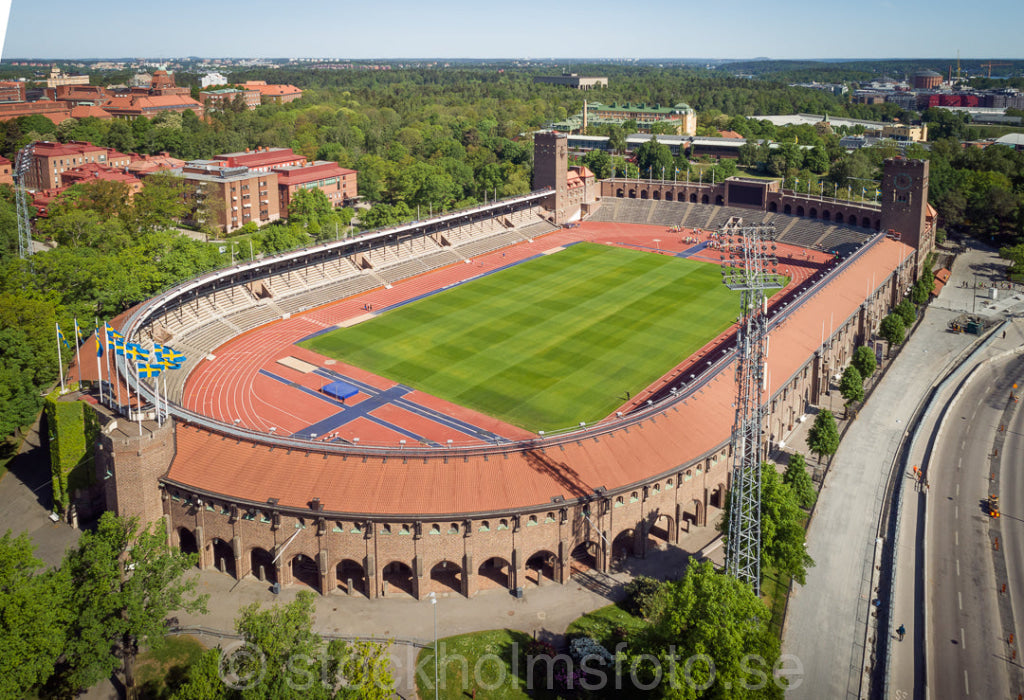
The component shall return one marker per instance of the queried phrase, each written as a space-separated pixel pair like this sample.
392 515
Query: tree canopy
823 437
864 360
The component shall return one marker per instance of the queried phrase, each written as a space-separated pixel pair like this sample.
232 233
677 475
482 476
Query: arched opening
718 496
262 565
632 194
446 576
624 545
813 213
825 216
540 567
787 209
669 196
656 196
865 222
878 224
584 557
719 200
187 541
351 570
398 577
704 199
661 532
800 211
305 570
839 217
643 194
223 557
698 513
618 192
773 207
495 573
693 198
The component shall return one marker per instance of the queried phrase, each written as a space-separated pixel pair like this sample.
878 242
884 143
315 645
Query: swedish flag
62 339
170 356
112 338
136 353
148 370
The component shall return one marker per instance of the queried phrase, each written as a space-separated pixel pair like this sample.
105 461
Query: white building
212 79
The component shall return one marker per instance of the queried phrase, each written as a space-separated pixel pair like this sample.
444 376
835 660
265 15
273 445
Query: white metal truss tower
21 166
749 267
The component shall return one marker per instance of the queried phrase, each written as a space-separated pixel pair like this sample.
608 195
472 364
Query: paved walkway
826 622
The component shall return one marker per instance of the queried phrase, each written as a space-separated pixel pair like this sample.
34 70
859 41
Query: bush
583 648
639 594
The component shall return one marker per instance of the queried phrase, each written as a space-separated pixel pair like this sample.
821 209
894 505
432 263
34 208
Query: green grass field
550 342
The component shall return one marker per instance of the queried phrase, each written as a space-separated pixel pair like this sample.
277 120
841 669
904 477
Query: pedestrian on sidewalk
901 630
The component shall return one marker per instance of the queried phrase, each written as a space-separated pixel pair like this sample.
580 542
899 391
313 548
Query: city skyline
456 29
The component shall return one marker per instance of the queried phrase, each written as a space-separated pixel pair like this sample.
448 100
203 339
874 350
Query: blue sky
525 29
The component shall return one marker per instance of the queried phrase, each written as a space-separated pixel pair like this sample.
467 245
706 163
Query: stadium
493 397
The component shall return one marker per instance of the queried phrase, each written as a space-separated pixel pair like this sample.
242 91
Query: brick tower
130 466
905 204
551 169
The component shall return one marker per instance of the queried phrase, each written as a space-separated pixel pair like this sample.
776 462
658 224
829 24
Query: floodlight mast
21 166
751 269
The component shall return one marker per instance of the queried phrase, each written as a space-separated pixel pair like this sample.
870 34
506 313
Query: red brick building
54 111
339 184
134 106
90 172
273 94
262 159
51 160
12 91
6 177
143 165
232 195
222 98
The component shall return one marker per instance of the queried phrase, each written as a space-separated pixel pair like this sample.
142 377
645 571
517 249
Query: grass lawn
168 662
550 342
480 661
608 625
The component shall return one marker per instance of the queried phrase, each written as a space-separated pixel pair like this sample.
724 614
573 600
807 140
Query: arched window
385 529
485 526
531 521
435 529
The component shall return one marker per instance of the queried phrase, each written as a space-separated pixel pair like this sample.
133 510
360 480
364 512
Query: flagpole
138 394
78 353
117 381
60 360
99 367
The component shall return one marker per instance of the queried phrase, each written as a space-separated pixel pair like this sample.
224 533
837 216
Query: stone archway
541 567
787 209
865 222
187 541
494 573
704 199
619 192
445 577
813 213
224 557
351 570
656 196
839 217
693 198
261 563
624 545
583 557
773 207
799 211
719 200
717 499
669 196
305 570
632 194
643 194
399 579
662 532
825 215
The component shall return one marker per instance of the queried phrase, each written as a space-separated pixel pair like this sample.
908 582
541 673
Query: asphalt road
1011 488
967 649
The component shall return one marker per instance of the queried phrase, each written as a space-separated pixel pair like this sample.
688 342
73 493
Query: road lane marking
957 567
959 600
963 643
956 511
956 538
958 490
967 687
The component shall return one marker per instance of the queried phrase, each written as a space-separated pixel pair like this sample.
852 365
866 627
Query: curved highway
967 638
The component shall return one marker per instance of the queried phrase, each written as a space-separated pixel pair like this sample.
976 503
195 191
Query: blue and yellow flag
169 355
99 341
136 353
148 370
61 338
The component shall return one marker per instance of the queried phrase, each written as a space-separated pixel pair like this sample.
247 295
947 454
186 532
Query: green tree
864 360
892 329
922 290
713 635
907 312
600 163
34 617
823 437
654 158
797 478
159 205
294 661
1015 254
311 209
851 386
125 582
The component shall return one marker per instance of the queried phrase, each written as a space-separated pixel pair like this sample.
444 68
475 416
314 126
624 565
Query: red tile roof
83 111
474 483
266 157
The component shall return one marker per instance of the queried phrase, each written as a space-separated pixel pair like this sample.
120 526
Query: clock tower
905 204
551 170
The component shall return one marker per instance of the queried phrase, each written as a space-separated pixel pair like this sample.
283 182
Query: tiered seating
209 336
843 239
489 244
667 213
536 229
803 232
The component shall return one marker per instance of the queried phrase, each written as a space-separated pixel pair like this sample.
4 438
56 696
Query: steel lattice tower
21 166
750 268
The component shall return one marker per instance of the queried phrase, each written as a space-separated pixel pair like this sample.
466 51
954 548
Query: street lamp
433 604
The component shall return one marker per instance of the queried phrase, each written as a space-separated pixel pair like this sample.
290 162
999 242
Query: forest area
420 139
